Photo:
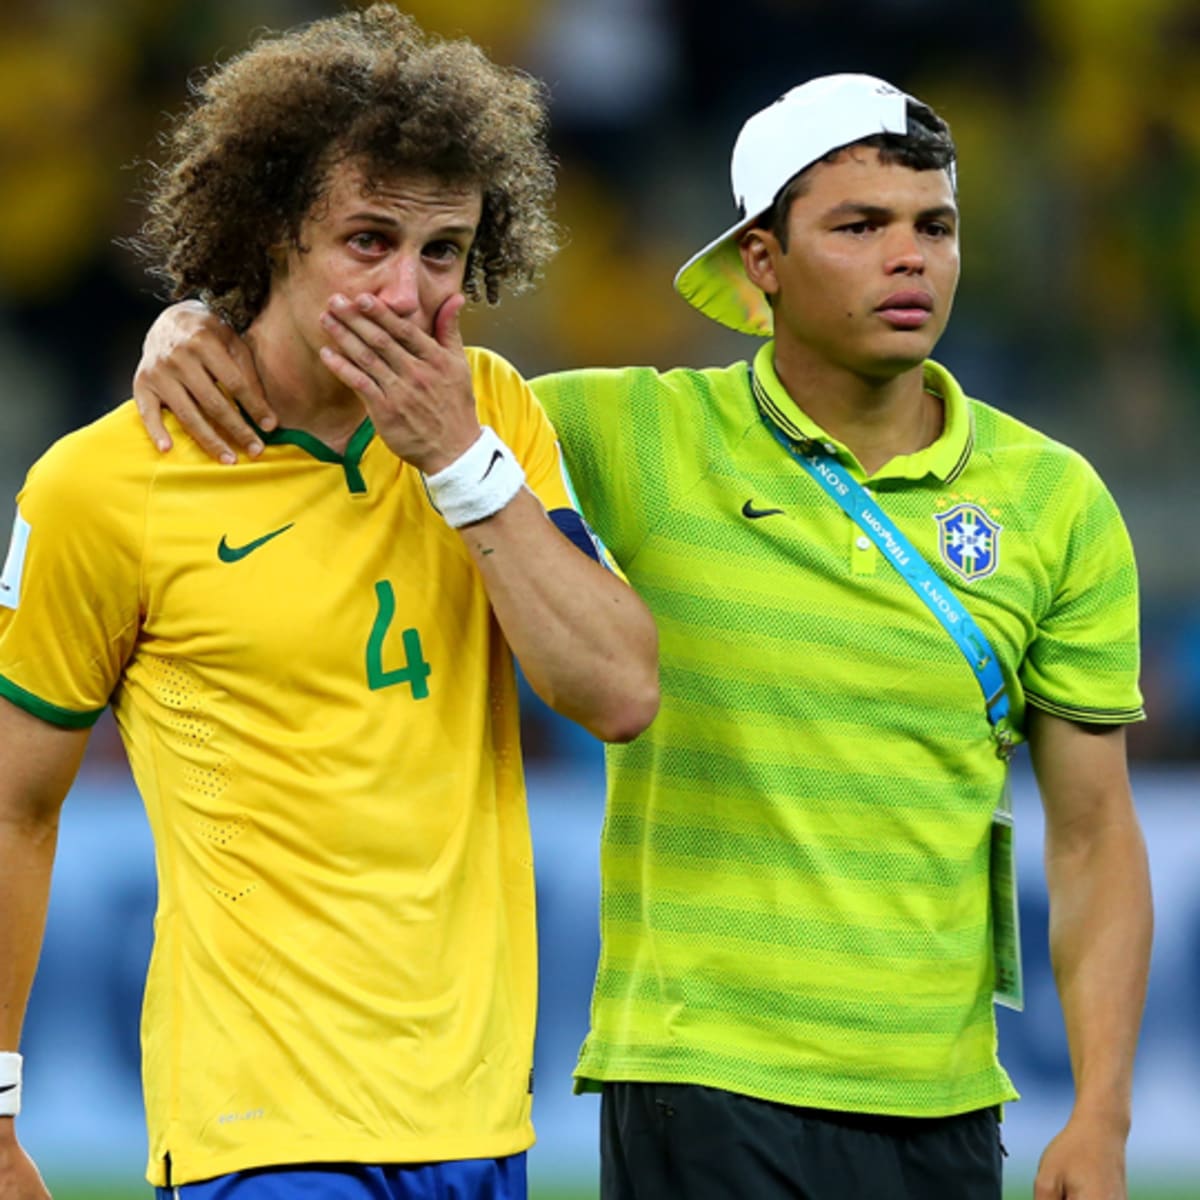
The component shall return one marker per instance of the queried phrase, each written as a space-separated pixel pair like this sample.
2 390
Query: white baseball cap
801 127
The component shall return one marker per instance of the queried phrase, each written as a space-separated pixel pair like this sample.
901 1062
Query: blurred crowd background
1078 123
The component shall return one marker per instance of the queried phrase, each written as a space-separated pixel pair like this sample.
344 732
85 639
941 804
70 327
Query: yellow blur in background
1078 124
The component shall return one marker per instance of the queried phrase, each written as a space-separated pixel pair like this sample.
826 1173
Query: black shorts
672 1141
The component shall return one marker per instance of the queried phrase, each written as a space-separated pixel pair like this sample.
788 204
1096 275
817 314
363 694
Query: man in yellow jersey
804 920
311 665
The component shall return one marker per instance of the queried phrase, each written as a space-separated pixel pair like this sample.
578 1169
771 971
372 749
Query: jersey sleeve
508 403
594 414
70 604
1083 663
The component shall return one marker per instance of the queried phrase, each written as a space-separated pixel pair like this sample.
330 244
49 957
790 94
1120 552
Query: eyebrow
377 218
877 212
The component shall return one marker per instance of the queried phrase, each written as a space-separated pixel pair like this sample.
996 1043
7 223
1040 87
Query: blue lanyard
861 508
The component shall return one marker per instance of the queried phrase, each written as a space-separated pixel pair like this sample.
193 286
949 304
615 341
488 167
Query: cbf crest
969 540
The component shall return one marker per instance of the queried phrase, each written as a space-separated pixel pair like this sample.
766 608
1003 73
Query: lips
907 300
906 310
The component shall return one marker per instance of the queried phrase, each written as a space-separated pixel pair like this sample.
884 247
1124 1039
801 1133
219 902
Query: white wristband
477 484
10 1083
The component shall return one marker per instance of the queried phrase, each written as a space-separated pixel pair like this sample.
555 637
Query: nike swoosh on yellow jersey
230 554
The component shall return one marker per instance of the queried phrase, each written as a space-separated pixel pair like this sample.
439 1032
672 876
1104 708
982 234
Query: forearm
37 765
26 857
1100 931
586 643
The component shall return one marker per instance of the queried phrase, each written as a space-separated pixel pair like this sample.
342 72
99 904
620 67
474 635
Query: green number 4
415 670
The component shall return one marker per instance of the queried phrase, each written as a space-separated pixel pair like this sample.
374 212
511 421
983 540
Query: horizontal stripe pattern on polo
795 853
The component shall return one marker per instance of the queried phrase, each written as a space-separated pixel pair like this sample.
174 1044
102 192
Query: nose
399 285
905 256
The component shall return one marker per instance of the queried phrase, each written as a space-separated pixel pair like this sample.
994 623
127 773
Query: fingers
149 408
362 342
378 327
351 375
192 363
416 387
194 422
205 411
367 315
247 389
445 323
209 374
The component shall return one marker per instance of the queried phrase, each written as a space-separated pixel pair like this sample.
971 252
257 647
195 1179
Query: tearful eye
367 242
443 251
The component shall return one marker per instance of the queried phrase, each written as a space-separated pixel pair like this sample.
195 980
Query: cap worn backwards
800 128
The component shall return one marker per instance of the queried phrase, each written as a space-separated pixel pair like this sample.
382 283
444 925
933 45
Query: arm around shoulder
193 364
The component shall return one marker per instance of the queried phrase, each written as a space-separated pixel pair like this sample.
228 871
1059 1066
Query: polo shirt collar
945 459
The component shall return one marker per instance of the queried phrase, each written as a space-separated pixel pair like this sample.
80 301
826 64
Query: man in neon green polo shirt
795 988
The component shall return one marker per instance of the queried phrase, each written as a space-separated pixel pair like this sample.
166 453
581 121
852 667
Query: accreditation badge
1006 923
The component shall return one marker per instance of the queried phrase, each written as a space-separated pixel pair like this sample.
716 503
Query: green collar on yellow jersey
350 461
945 458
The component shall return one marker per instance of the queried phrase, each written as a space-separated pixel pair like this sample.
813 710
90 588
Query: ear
760 250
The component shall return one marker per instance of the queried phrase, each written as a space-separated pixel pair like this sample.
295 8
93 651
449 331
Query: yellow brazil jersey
321 716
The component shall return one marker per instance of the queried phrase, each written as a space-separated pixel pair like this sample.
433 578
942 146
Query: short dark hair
926 146
252 154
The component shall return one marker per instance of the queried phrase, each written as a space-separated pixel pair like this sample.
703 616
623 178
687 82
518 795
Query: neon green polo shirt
795 854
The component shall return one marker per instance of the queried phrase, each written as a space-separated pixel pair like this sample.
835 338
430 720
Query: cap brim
715 282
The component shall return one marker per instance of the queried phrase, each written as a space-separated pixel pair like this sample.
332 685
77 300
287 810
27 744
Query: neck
300 389
876 419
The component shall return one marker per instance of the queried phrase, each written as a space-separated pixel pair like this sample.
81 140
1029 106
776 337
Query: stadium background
1078 123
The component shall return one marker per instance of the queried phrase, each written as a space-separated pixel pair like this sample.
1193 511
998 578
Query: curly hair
252 154
926 146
